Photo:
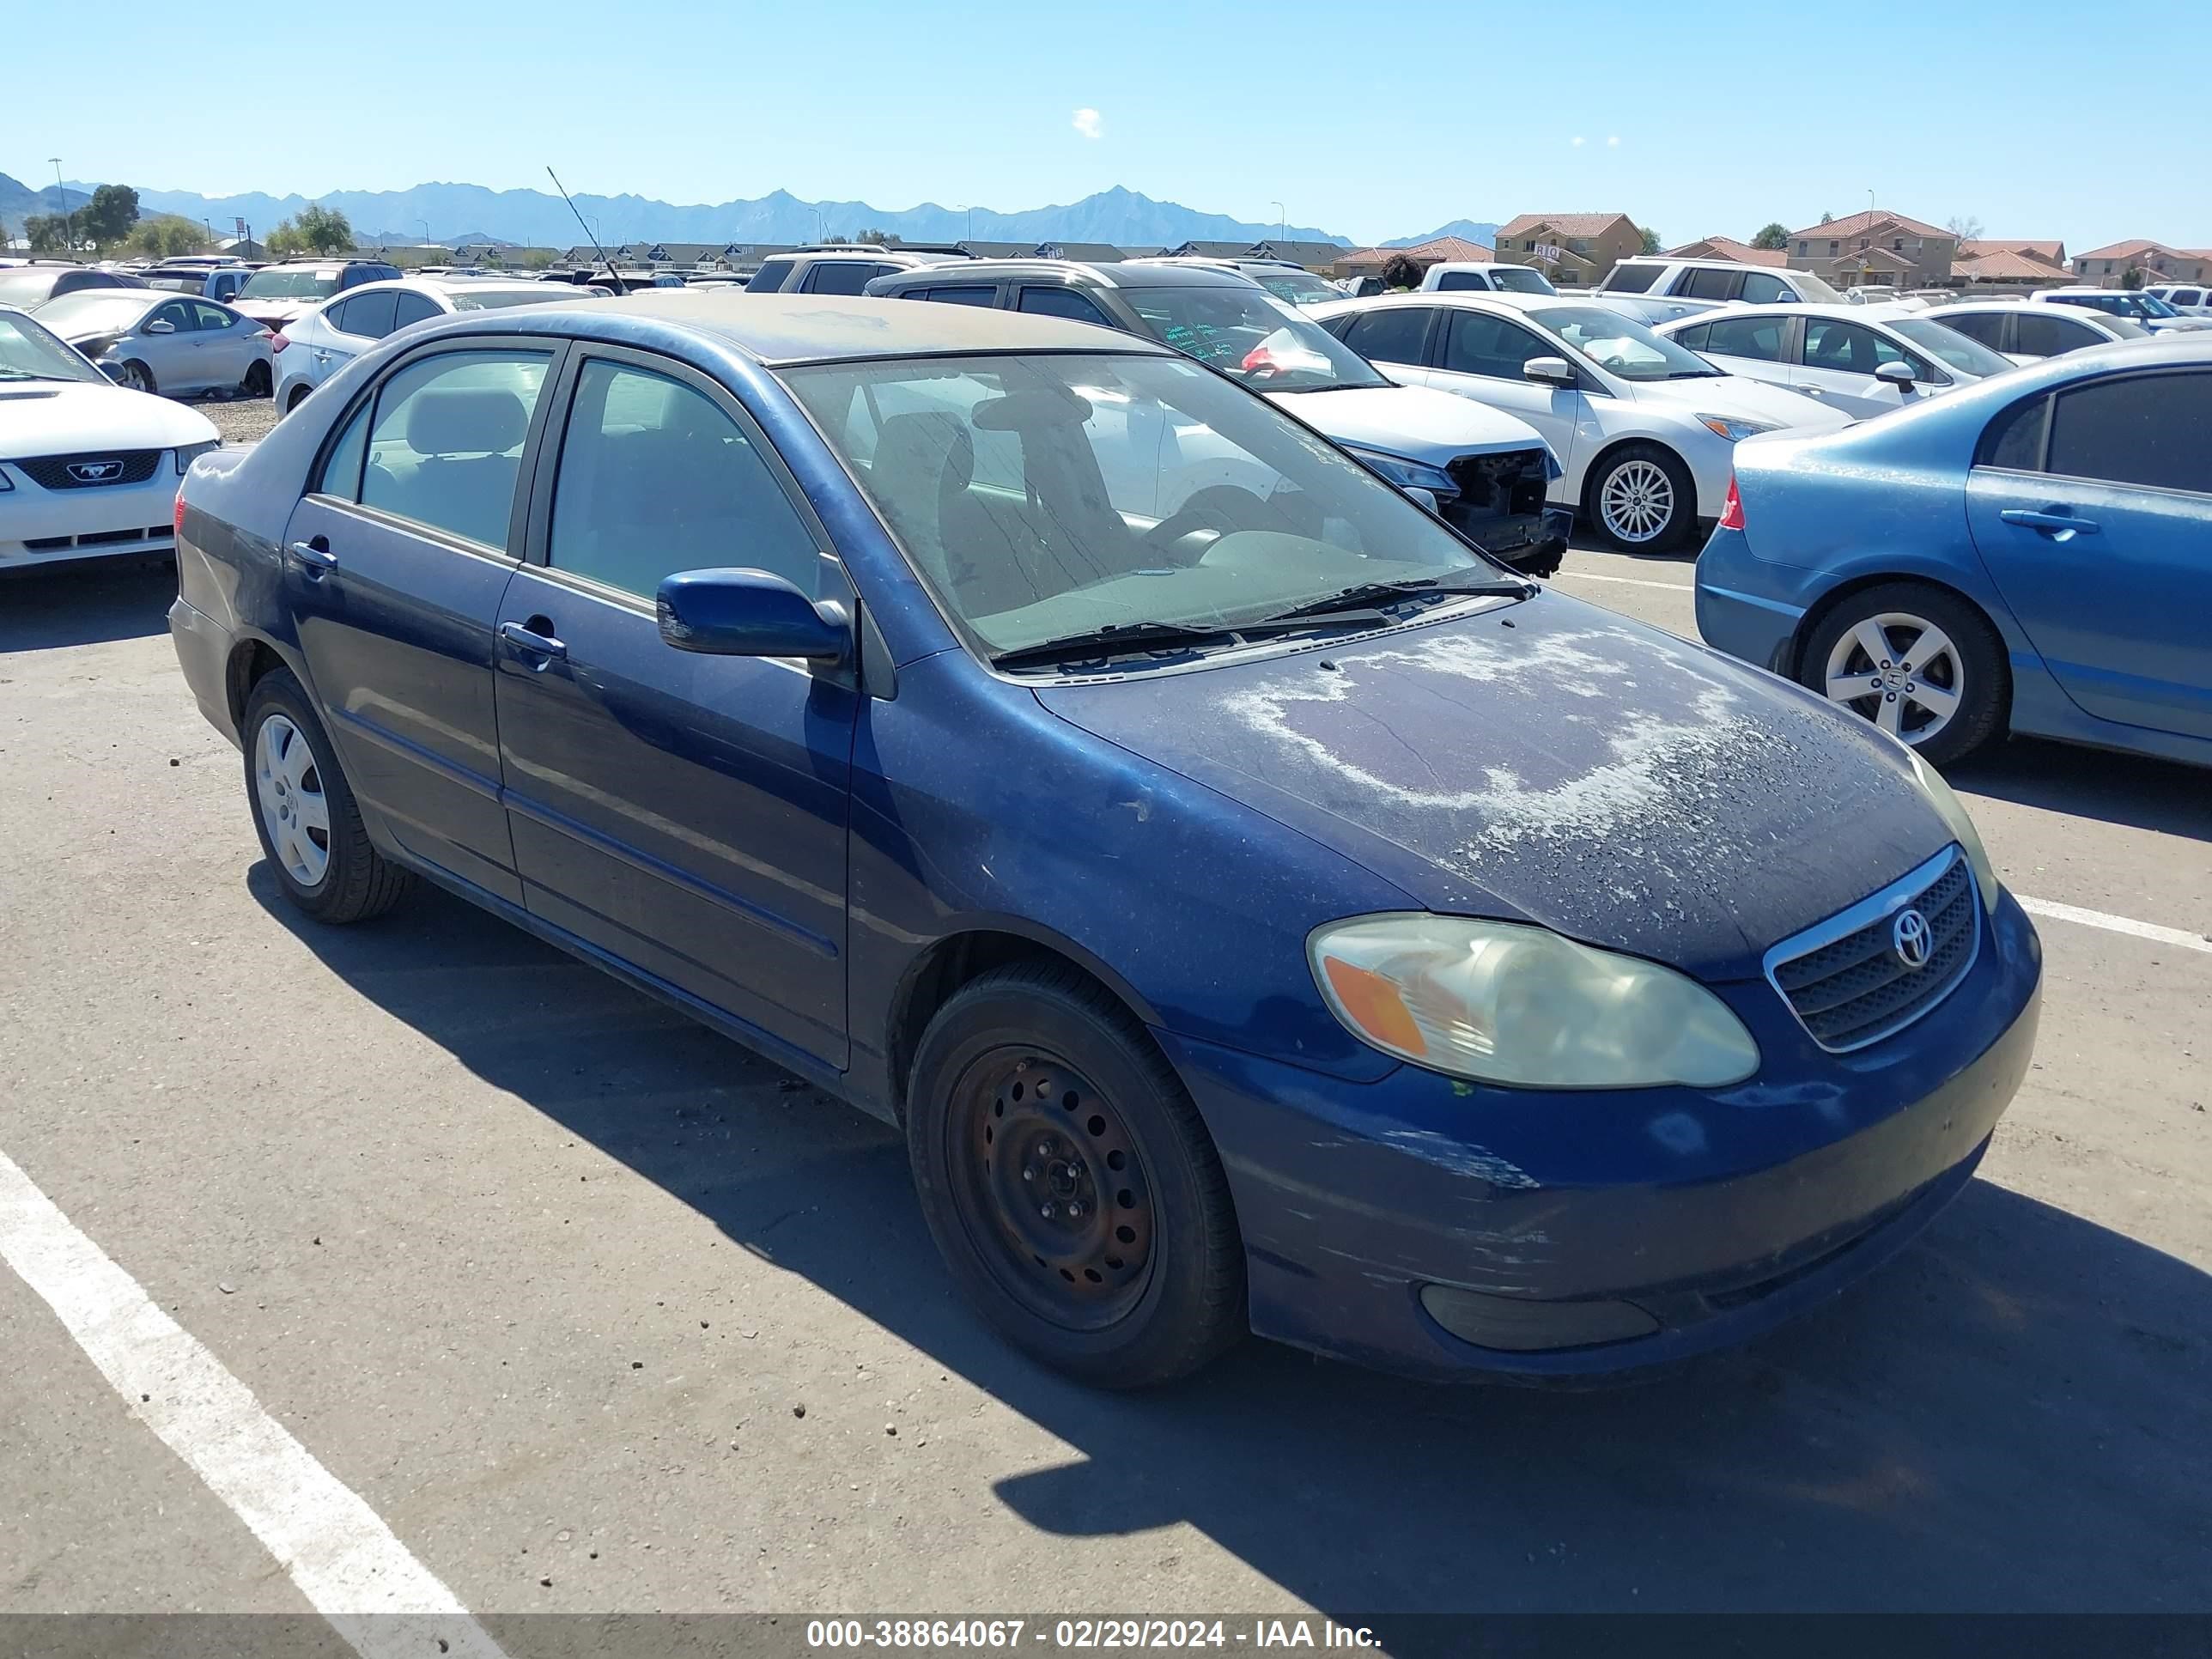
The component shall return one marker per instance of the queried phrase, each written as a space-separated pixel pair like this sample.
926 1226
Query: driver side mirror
1550 370
750 613
1899 376
160 326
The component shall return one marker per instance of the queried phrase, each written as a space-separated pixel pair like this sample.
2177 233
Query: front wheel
136 377
1922 665
1641 498
304 811
1069 1184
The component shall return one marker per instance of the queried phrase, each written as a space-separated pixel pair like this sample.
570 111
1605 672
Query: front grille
1847 981
1500 486
52 472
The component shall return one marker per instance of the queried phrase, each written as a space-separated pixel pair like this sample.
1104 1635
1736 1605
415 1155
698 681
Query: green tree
47 233
2133 278
538 259
106 219
1650 237
314 229
165 236
1772 236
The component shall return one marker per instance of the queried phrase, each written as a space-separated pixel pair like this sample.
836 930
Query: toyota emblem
1912 939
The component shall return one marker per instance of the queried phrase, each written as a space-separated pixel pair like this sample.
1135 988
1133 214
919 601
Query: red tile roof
1567 224
1457 249
2051 253
1727 248
2003 263
1860 224
2127 250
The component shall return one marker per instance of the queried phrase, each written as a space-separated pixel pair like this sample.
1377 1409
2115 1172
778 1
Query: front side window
1249 335
1762 289
1850 348
446 442
1118 490
1391 334
1968 357
2144 430
1760 339
655 477
1623 347
1060 302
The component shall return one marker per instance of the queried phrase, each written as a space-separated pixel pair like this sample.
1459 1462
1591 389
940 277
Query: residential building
1442 250
1575 249
1313 256
1727 248
1876 248
2108 267
1994 261
1089 254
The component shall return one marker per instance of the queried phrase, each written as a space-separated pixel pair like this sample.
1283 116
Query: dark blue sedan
2032 554
1260 909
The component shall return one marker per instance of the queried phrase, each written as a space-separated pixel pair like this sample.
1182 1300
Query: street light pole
821 233
1282 223
68 219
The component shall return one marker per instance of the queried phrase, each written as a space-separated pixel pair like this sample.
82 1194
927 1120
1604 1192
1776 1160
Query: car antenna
621 287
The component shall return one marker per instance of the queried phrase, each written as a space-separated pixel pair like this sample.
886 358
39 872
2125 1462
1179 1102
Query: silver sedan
154 341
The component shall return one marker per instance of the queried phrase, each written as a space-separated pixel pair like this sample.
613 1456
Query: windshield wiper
1427 586
1116 639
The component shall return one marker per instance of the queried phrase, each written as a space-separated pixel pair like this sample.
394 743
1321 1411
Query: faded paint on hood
1552 762
1417 422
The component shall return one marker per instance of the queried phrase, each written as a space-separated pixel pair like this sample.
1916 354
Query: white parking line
1625 581
345 1560
2150 930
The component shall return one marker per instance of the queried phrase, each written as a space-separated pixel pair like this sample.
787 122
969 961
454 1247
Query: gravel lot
242 421
546 1274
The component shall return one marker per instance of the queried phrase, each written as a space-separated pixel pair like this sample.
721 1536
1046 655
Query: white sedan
1862 359
314 347
88 470
1645 430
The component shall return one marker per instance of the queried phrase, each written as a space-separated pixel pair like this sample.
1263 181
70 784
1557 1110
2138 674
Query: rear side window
973 294
446 443
410 308
2146 430
771 276
1759 338
1632 279
1981 326
2045 334
368 315
1060 302
211 319
656 477
1391 334
1702 284
2015 440
839 276
1693 338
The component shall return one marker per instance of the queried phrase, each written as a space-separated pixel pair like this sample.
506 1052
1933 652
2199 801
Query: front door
1756 347
1482 359
1837 364
2093 510
685 814
393 568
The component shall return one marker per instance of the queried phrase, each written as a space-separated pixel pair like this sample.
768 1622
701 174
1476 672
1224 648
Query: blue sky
1370 121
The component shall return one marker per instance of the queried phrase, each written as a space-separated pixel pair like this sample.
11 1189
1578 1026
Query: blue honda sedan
2033 553
1258 909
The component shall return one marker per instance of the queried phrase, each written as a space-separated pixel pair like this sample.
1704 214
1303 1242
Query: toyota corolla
1269 915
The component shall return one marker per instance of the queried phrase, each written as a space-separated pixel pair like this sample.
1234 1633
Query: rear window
1452 281
293 282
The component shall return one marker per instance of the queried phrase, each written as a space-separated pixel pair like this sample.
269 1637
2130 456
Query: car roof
1129 273
1851 313
454 284
780 330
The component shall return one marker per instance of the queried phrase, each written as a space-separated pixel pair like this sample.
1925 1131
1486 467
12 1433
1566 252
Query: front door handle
536 640
314 556
2053 524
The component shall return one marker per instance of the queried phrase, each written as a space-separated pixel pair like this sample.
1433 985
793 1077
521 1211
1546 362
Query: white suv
1659 289
838 269
1467 275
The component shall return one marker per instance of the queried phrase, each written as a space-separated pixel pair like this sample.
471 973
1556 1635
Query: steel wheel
1636 503
1900 671
136 377
288 790
1050 1189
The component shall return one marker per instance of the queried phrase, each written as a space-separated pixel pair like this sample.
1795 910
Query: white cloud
1613 142
1580 141
1089 123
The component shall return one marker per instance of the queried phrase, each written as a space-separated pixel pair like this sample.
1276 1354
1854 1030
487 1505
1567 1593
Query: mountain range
452 213
1471 230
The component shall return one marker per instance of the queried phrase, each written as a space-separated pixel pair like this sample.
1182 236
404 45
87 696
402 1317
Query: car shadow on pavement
2093 783
2016 1414
47 606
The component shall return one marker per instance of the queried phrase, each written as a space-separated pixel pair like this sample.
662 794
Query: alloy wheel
1900 671
288 789
1637 501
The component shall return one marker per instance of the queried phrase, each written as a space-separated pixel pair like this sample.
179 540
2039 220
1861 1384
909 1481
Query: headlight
1520 1005
1952 811
1407 475
1736 431
190 452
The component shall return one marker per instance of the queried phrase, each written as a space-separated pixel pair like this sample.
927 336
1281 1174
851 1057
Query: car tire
136 377
299 396
305 812
256 383
1069 1184
1875 639
1640 498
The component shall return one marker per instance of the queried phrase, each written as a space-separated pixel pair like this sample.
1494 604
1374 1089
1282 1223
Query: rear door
1757 348
2092 509
684 813
353 326
2046 331
1395 339
1482 358
393 570
228 347
168 340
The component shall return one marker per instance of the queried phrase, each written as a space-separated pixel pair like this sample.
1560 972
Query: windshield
1251 336
498 299
1519 279
109 309
1620 345
1050 496
1299 288
28 352
292 282
1812 289
1968 357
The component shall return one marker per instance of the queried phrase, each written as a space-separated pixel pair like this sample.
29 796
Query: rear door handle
314 556
2049 523
531 643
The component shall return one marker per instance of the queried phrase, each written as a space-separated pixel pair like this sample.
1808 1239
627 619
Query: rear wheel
1069 1184
304 811
1922 665
299 396
256 383
138 377
1641 498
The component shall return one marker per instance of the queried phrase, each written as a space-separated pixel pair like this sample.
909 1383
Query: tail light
1732 508
278 341
177 514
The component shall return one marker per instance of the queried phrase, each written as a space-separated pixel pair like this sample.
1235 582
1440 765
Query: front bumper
46 526
1444 1229
1531 543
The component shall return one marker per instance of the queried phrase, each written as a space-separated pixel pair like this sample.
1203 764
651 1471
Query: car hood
1549 762
1743 398
42 417
1416 422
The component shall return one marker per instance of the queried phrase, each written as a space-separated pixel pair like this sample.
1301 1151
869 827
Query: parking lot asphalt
546 1273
